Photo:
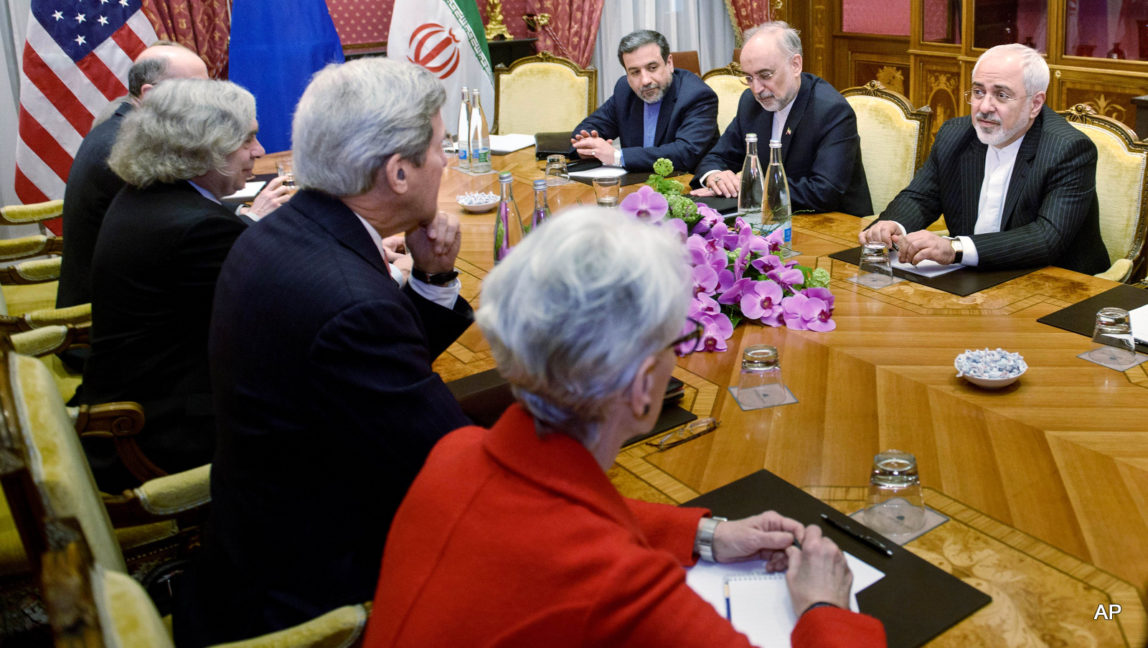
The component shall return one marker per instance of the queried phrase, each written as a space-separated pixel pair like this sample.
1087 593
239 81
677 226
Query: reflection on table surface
1061 455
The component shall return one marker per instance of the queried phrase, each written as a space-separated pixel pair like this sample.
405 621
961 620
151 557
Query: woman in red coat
514 536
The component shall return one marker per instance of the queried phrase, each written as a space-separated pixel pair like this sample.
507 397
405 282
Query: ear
797 63
395 173
670 62
145 88
642 387
1037 104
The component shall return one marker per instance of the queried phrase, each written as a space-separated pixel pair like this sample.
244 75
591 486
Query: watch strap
704 543
434 278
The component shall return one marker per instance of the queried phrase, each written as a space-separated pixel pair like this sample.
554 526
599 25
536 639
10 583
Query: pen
857 535
728 615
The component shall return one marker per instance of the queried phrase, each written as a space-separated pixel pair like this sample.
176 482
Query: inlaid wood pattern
1058 460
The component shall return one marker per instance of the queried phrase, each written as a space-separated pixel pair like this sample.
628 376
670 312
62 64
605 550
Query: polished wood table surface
1058 462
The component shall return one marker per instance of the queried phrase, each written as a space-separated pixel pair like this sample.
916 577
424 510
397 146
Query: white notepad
759 603
1139 319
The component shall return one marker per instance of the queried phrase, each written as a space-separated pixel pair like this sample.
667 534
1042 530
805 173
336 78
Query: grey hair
641 38
182 129
790 41
1033 66
354 116
575 308
150 70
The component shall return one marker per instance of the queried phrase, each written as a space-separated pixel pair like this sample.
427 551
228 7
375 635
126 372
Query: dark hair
633 41
149 70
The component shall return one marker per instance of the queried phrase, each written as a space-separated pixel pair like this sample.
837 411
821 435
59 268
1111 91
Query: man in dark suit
655 111
326 400
92 185
820 147
1015 181
154 266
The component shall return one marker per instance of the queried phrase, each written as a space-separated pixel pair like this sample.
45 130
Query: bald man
92 185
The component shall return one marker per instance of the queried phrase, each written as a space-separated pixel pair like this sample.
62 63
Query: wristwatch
434 278
958 249
704 543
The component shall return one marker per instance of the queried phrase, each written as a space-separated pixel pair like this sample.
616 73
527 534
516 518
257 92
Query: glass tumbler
607 191
556 171
875 269
1113 332
285 171
896 503
760 383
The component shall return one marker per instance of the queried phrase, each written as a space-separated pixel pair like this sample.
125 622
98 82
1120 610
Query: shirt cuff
968 251
397 275
707 174
619 159
444 296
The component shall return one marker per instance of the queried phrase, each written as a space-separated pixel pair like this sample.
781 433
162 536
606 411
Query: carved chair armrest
26 247
40 342
179 496
31 272
121 422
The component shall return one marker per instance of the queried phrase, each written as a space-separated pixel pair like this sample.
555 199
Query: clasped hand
434 246
911 248
591 145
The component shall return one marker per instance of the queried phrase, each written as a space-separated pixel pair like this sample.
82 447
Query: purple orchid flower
705 280
645 204
807 313
733 293
703 306
787 278
716 330
677 225
709 218
762 301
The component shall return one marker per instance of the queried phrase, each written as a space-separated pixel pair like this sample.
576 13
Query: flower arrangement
738 275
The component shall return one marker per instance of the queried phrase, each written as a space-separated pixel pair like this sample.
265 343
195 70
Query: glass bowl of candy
477 202
990 368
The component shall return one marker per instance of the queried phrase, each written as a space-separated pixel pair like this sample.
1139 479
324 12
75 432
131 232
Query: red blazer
509 539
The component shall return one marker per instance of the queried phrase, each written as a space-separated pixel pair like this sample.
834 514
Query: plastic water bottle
778 210
479 135
749 197
541 209
507 221
464 129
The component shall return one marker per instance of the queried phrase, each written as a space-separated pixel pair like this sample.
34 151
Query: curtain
573 22
749 13
701 25
200 25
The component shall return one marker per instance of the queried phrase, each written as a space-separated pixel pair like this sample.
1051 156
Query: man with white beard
1015 181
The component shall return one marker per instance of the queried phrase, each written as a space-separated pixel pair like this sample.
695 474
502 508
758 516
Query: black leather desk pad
915 600
962 283
1081 316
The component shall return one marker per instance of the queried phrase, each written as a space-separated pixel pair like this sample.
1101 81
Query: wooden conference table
1045 481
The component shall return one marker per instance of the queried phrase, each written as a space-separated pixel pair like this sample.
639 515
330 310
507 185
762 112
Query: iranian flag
448 39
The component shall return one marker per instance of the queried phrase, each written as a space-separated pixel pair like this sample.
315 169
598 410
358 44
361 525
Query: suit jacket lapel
800 103
1020 169
667 108
972 177
632 128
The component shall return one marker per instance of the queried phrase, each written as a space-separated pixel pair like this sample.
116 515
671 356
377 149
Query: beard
998 134
654 92
773 102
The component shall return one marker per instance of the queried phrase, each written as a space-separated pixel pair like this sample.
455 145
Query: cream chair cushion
56 458
1119 189
888 147
128 618
729 89
541 97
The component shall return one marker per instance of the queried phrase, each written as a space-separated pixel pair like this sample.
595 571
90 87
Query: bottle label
482 155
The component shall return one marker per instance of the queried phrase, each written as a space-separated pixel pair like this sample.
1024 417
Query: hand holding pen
764 536
817 572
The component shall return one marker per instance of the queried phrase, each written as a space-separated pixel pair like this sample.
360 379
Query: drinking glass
896 504
556 172
875 269
760 383
1113 333
283 168
607 190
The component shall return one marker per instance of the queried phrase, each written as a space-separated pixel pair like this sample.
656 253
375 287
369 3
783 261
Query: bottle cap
505 176
540 183
751 137
774 143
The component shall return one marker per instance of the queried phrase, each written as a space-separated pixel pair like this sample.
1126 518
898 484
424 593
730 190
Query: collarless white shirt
999 163
779 119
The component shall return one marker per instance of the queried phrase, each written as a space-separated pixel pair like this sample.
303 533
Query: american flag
76 59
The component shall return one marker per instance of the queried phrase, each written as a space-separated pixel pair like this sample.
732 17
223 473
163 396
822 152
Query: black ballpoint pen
857 535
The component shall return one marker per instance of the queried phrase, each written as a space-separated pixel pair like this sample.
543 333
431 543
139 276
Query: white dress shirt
999 163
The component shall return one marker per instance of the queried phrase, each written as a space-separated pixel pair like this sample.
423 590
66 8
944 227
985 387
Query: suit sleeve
604 120
1068 194
202 250
919 204
443 326
835 155
692 137
729 152
384 381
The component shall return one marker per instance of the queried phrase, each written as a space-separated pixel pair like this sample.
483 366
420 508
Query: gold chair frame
731 70
1085 114
922 115
590 73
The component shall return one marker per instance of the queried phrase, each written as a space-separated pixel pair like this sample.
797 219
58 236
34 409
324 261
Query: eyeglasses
687 343
687 432
1000 97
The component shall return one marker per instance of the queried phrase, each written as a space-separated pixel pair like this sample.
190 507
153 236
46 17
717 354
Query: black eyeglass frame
694 335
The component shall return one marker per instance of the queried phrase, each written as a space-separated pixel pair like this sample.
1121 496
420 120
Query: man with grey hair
321 364
655 111
160 248
92 185
1015 181
820 147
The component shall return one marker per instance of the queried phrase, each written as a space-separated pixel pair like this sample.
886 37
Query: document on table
759 605
1139 318
600 172
248 192
502 144
927 268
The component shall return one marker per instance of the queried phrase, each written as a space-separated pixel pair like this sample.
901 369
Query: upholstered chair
687 60
32 213
569 93
1121 171
893 136
727 83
